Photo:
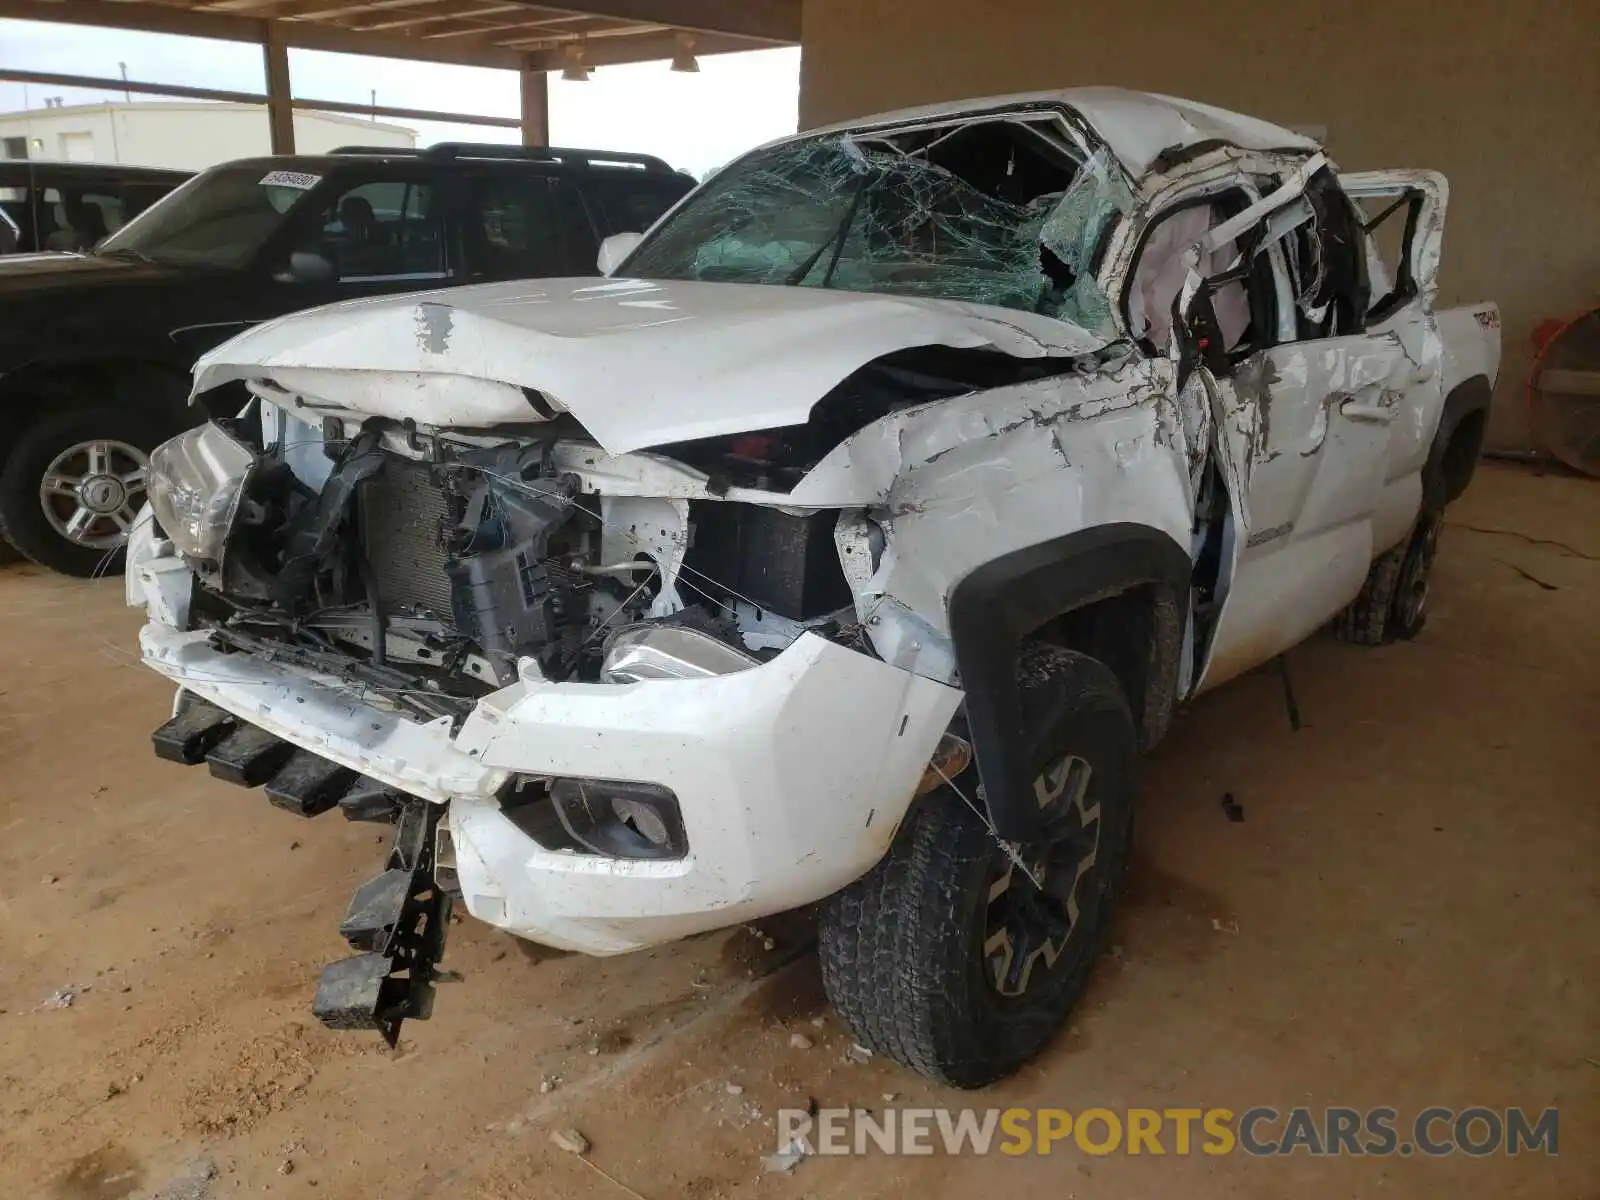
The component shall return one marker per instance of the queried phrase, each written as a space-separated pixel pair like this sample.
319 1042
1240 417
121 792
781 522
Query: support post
280 107
535 107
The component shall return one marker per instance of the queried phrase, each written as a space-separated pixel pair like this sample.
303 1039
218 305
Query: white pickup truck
847 543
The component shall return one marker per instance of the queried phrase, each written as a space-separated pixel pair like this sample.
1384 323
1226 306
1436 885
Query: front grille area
403 516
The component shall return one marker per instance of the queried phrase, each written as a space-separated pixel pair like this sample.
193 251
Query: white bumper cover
792 776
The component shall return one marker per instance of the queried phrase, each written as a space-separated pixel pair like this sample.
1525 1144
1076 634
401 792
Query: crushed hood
639 363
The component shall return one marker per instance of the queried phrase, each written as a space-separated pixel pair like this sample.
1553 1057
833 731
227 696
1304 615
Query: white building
188 135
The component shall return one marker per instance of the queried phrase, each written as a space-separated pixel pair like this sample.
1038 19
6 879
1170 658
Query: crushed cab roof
1137 126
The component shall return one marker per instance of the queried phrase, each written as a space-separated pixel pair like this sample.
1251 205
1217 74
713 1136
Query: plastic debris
786 1160
570 1140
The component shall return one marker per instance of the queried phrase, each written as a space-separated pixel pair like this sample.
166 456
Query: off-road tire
65 423
902 949
1392 605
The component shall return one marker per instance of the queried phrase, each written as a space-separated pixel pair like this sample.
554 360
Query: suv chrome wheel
91 492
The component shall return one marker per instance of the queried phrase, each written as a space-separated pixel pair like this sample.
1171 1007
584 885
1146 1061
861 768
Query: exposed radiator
403 516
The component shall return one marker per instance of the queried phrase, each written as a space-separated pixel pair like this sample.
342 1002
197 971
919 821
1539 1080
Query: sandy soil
1405 916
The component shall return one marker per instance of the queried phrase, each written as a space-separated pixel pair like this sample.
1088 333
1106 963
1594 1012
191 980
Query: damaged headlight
669 652
197 481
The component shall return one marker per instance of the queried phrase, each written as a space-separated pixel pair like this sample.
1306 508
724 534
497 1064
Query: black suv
72 205
95 349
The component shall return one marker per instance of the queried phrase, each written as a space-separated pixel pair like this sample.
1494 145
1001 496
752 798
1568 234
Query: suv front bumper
791 776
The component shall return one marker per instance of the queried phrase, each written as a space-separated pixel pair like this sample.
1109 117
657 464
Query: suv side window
631 205
107 197
77 218
17 202
380 229
528 225
136 197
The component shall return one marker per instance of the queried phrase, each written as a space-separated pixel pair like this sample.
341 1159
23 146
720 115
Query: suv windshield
1005 211
220 218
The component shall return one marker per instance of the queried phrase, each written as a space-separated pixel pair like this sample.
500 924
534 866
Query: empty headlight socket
619 819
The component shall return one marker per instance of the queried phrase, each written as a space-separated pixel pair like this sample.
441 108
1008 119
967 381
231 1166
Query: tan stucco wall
1501 95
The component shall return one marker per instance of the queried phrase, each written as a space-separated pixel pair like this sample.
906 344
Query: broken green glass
863 214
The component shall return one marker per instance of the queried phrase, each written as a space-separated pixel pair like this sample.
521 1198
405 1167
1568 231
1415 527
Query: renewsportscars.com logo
1261 1132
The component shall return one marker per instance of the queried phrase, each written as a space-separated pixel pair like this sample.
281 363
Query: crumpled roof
1137 126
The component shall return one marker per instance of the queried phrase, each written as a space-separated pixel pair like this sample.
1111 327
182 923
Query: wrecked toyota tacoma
846 544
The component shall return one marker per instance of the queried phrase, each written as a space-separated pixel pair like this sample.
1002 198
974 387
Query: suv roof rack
556 154
379 151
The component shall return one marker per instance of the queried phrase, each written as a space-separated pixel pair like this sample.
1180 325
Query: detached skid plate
397 920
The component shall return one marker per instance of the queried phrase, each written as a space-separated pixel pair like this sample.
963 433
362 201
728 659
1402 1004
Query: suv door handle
1376 414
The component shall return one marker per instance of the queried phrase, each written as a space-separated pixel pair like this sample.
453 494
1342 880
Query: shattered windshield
996 211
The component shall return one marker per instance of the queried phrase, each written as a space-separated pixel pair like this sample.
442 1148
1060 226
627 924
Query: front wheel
960 957
73 484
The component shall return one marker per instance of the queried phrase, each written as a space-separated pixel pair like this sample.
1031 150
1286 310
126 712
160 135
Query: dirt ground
1405 916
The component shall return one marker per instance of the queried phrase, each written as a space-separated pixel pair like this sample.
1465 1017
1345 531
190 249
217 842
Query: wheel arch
1453 456
152 384
1115 592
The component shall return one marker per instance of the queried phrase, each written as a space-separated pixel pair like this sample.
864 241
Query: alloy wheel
91 492
1034 903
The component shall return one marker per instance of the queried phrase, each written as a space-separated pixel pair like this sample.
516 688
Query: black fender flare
155 385
998 604
1449 470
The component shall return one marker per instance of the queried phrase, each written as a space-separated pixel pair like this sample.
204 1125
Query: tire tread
890 965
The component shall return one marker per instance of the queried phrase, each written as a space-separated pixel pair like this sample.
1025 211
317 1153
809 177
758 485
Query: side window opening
1326 258
109 201
622 204
77 218
73 220
1389 228
136 197
1241 288
14 203
532 226
382 229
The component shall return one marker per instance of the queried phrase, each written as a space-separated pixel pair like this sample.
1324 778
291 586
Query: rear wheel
960 958
1393 604
72 485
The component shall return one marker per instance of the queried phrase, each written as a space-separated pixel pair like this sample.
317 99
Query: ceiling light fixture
683 58
576 70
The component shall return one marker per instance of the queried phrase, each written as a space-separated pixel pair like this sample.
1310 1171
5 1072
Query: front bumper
792 776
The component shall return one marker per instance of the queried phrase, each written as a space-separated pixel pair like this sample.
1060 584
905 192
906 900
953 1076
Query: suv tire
944 956
1393 604
106 446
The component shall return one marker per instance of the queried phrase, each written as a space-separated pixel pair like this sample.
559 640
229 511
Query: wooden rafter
512 34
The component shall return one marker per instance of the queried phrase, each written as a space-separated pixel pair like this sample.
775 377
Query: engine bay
426 571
